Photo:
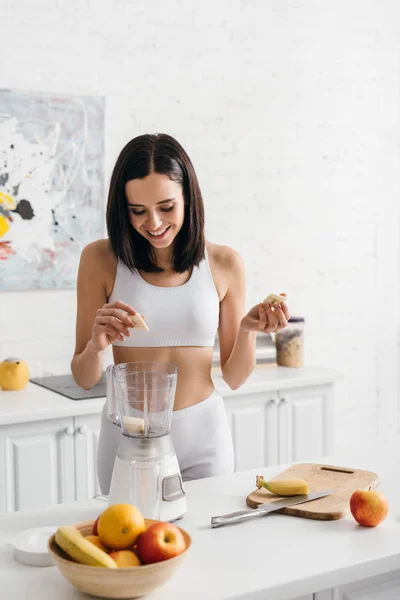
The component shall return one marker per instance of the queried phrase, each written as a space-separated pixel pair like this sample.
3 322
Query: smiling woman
157 263
151 190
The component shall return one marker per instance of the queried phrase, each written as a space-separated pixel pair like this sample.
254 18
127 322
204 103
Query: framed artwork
51 186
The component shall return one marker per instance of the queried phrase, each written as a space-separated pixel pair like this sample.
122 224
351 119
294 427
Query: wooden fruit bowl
124 582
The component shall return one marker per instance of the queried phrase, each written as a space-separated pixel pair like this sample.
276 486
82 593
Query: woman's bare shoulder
98 265
99 253
224 257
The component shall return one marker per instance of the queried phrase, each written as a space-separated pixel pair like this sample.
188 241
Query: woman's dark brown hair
146 154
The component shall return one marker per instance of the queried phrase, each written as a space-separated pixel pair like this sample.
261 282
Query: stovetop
66 386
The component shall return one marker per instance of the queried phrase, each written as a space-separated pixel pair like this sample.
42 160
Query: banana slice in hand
274 299
140 323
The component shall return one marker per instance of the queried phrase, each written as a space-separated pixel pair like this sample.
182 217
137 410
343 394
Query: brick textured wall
289 111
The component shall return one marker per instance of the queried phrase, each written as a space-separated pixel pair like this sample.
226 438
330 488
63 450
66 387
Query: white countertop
272 377
276 557
36 403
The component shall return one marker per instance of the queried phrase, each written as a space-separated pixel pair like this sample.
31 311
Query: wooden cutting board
320 477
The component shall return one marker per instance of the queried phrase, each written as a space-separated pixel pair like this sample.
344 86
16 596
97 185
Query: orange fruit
120 525
97 542
125 558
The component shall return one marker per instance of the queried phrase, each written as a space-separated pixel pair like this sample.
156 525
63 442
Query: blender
140 400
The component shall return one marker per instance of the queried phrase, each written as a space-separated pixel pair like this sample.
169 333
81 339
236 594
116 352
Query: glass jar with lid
290 344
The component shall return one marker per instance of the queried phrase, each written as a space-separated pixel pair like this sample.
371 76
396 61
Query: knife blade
265 509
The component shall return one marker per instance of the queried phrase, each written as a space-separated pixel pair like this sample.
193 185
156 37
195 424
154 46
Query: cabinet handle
273 401
69 430
283 400
83 429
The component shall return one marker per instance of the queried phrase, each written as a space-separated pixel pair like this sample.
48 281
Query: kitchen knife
265 509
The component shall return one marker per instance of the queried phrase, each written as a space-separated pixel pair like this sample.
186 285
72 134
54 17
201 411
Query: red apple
159 542
368 507
95 532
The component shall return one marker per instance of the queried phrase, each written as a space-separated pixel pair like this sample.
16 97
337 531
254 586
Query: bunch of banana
284 487
82 550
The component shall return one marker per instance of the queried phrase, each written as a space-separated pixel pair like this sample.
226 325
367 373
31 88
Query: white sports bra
184 315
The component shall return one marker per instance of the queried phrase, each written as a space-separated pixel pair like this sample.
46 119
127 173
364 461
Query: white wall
289 111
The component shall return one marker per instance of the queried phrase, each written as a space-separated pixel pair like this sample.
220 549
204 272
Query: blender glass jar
290 344
145 393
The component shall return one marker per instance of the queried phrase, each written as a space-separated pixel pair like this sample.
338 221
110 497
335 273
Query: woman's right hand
111 324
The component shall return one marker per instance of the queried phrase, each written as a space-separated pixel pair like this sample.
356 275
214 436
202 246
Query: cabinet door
87 430
382 587
305 423
325 595
39 464
253 420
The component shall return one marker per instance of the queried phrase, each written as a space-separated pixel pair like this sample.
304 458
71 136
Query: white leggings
200 435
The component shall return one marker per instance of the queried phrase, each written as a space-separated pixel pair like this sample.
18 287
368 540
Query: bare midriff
194 368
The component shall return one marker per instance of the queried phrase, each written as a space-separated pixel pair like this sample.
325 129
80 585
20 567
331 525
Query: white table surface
275 557
36 403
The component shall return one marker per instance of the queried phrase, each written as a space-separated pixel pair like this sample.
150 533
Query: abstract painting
51 186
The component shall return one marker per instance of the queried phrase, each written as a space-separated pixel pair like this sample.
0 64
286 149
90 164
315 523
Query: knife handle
241 515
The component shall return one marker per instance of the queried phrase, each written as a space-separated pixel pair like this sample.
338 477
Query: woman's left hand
266 318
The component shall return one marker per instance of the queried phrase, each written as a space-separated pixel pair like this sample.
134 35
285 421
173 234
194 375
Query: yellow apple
14 374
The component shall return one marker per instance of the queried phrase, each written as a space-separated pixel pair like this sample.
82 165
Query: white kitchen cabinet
305 423
47 462
280 426
87 431
253 420
38 461
381 587
325 595
384 587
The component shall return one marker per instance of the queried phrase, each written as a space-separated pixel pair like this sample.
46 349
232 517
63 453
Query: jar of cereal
290 344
